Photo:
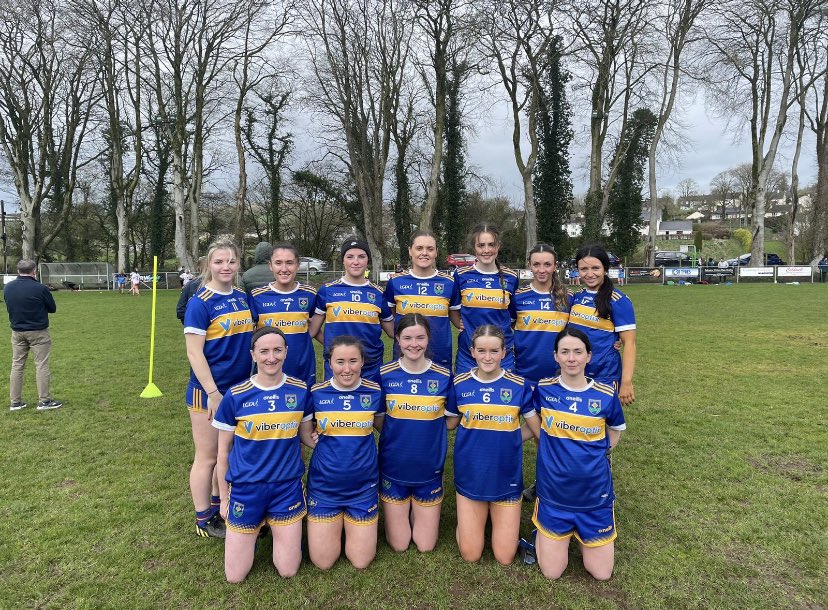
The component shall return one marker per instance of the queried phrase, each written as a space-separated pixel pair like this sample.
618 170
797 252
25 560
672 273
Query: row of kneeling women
569 389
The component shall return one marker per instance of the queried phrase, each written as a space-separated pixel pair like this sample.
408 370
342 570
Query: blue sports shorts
253 504
591 528
196 399
425 494
364 511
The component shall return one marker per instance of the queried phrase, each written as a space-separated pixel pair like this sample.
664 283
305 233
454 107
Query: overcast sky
709 147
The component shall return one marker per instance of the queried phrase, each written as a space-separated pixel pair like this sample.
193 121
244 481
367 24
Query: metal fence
76 275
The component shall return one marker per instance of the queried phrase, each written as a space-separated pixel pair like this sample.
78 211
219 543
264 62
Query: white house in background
695 216
675 229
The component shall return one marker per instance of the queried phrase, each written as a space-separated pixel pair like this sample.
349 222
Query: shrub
746 239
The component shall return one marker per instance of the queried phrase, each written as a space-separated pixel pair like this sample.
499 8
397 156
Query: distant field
722 477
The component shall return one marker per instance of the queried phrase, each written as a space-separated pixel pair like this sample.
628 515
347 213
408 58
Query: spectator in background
29 304
823 267
259 274
188 291
186 277
135 281
711 262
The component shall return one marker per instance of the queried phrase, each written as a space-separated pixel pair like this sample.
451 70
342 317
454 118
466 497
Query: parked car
615 261
672 258
308 264
460 260
744 259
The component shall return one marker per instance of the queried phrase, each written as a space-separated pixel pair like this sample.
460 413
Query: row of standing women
259 421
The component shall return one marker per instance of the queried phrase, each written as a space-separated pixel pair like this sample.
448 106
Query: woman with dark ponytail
542 312
606 315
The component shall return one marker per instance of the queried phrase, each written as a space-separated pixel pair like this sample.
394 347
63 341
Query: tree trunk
437 158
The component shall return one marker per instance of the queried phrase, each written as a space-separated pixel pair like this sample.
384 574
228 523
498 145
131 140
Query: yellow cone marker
152 391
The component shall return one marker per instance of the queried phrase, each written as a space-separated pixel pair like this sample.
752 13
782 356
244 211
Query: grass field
722 476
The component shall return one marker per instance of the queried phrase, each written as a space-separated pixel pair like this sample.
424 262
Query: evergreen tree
624 211
551 180
452 201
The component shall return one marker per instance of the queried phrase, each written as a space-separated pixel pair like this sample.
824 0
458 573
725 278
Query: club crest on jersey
238 509
392 404
432 386
439 288
290 400
594 406
303 303
365 400
505 394
372 297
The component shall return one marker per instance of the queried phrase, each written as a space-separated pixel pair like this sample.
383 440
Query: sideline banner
794 271
718 273
756 271
681 272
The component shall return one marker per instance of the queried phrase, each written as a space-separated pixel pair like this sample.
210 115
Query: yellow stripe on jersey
489 298
408 406
511 376
345 423
289 322
541 320
588 316
352 312
206 294
440 369
231 323
297 382
561 424
501 418
603 387
462 377
268 426
391 366
241 387
426 305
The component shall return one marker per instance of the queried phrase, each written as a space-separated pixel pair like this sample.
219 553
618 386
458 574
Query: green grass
722 476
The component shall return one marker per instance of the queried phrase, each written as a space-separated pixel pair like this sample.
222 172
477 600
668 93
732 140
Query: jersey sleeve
451 402
307 408
254 312
196 318
527 405
225 416
321 300
454 303
385 311
623 316
381 410
615 416
388 295
512 300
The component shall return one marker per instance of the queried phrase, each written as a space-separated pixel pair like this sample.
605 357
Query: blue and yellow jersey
225 321
265 423
573 468
290 312
412 445
605 365
355 310
483 298
488 450
431 297
537 325
344 464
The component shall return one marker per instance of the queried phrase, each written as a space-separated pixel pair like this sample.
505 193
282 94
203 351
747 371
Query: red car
460 260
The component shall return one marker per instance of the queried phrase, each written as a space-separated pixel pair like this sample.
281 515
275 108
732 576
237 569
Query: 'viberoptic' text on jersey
227 325
573 468
355 310
430 297
536 327
605 365
290 313
488 450
344 464
413 441
266 425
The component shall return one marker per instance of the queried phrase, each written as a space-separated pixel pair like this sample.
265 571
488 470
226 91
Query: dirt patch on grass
810 341
791 467
66 483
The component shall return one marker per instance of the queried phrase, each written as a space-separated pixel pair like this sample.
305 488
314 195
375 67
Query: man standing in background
29 304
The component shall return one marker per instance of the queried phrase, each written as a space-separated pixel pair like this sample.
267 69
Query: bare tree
753 66
518 34
358 51
118 28
687 188
47 89
676 21
610 45
722 189
189 45
250 69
